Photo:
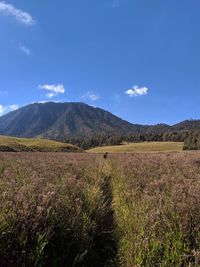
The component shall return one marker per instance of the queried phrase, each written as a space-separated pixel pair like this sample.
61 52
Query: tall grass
54 219
80 210
156 203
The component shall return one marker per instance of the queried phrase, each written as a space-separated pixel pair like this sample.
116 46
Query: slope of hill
158 128
63 120
11 144
187 125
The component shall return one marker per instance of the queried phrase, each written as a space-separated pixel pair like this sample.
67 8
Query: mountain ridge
61 121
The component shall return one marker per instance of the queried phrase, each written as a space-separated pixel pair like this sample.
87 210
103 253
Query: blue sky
139 59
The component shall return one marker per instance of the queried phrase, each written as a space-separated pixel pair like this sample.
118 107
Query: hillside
11 144
187 125
62 120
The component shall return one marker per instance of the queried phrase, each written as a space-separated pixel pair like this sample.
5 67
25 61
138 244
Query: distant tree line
192 142
96 140
117 139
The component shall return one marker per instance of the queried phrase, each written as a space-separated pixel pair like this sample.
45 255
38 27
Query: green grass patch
13 144
140 147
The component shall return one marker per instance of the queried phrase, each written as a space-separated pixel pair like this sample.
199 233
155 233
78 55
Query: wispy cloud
1 109
40 102
91 96
21 16
5 109
24 49
13 107
53 89
137 91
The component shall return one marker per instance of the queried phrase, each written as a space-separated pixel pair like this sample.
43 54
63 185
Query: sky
138 59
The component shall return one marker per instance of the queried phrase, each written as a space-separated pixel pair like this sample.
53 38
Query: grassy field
79 210
140 147
12 144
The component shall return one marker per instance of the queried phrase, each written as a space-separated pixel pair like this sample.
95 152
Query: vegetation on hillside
59 121
81 210
66 121
192 142
12 144
114 139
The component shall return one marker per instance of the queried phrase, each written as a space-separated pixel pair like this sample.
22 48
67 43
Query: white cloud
20 15
2 109
91 96
13 107
137 91
25 49
5 109
53 89
41 102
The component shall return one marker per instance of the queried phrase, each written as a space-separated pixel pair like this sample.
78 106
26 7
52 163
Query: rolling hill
12 144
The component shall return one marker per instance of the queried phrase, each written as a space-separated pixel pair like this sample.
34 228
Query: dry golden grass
77 210
156 201
140 147
31 144
54 211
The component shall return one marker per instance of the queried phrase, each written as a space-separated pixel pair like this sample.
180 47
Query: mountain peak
61 121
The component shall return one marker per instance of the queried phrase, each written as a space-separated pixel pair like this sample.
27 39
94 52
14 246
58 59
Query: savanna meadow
100 133
88 210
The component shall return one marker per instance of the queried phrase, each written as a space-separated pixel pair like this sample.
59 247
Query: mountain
63 120
187 125
158 128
